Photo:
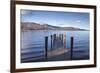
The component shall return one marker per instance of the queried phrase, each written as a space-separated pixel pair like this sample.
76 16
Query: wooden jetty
58 46
56 52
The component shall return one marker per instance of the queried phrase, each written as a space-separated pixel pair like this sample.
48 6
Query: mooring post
64 40
51 41
46 47
54 40
71 44
54 36
60 36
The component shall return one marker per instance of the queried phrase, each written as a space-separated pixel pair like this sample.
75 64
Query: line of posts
53 37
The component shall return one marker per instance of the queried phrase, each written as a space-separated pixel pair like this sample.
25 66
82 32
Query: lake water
33 44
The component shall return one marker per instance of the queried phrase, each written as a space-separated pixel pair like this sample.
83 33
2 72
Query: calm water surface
33 43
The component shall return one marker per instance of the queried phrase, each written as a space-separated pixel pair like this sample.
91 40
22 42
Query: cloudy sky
63 19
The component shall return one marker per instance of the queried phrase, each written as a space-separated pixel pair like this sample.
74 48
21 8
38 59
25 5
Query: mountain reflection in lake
33 44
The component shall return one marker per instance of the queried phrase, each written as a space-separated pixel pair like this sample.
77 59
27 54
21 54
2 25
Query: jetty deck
59 55
57 52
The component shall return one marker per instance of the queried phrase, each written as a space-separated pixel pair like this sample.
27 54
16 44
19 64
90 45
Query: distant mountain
37 26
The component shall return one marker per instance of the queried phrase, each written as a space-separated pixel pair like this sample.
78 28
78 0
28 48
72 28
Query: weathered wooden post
46 48
51 41
61 40
60 36
64 40
54 40
54 37
71 44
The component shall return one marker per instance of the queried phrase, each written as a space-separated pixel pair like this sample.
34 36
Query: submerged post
46 47
71 44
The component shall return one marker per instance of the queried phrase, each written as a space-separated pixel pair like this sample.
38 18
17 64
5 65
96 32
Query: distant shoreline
36 26
52 30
